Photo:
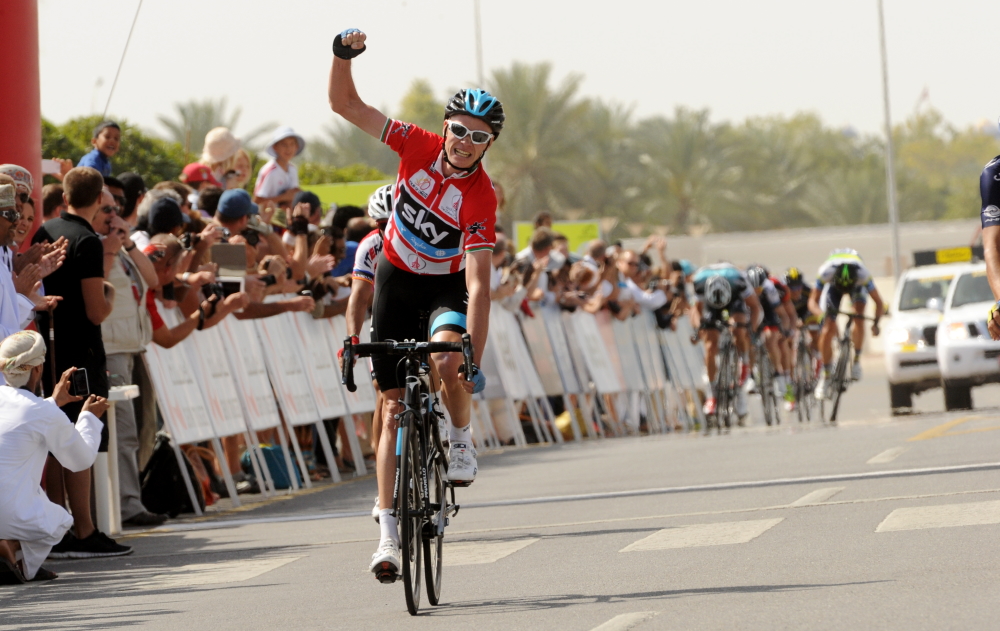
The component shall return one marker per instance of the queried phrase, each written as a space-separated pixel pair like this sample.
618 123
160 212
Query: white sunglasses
458 130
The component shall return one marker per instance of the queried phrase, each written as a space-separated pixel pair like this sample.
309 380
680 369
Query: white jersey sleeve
366 257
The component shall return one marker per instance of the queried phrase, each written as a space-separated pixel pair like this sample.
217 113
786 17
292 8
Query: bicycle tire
766 385
840 372
410 520
434 536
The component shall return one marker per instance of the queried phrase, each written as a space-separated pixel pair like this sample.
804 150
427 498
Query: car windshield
917 291
971 288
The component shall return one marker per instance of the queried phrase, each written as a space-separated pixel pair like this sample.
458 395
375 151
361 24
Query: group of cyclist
785 313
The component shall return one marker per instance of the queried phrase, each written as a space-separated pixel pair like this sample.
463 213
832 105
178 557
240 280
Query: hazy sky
737 58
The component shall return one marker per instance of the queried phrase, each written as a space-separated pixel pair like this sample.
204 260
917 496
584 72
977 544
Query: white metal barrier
247 376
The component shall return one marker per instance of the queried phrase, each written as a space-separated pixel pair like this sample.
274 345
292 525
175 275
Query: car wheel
957 396
900 398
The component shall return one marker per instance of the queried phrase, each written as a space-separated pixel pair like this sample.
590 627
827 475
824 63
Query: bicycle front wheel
434 528
411 514
840 376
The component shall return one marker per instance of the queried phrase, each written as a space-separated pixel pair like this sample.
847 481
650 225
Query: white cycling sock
387 524
461 434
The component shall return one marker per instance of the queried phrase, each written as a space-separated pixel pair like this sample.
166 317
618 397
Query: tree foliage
194 119
153 158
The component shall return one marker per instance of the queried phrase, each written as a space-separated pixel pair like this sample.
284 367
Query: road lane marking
217 573
941 430
697 535
626 621
817 496
481 552
943 516
887 456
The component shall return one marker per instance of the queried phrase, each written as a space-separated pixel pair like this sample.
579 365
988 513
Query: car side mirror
935 303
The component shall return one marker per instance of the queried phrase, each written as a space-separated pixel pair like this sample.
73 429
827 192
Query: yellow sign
577 232
954 255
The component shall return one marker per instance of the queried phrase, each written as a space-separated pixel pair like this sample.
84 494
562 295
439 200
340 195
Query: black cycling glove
346 52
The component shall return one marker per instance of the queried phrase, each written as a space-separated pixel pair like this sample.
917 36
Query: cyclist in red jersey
437 258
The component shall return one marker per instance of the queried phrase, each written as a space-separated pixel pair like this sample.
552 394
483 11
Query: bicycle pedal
386 575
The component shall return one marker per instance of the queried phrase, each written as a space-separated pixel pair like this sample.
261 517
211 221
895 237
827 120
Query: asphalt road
879 522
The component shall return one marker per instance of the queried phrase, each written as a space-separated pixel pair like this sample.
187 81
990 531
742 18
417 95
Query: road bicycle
805 374
727 378
764 370
423 500
840 378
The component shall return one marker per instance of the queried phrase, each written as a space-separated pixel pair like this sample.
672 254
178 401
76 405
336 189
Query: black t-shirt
78 340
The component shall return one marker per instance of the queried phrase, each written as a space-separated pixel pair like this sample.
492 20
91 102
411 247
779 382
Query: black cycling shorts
735 306
400 299
770 314
831 297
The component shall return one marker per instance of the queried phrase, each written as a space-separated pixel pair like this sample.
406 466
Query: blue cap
236 203
687 267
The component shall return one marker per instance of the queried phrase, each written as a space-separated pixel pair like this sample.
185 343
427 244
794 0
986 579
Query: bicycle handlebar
391 347
856 316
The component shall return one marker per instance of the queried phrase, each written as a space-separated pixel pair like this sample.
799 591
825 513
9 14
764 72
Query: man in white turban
30 428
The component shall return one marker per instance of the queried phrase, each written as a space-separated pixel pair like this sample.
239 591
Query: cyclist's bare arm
477 280
344 99
357 305
755 311
814 302
879 309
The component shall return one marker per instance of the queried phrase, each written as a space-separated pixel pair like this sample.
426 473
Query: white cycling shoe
856 371
385 562
462 465
821 393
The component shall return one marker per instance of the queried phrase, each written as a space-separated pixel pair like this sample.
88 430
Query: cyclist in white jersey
842 274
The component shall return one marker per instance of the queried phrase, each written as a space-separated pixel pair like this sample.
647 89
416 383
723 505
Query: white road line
481 552
695 535
817 496
943 516
217 573
626 621
887 456
725 486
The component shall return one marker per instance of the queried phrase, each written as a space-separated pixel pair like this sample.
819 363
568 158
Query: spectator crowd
89 266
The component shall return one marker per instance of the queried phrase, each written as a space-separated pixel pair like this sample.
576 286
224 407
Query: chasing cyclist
363 290
777 321
806 322
722 294
842 274
436 258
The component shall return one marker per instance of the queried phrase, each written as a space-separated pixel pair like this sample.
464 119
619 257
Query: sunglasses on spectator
10 215
458 130
107 210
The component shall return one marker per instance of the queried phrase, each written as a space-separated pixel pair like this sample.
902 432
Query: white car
966 354
911 360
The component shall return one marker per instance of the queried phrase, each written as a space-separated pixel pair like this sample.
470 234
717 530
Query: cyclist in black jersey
989 190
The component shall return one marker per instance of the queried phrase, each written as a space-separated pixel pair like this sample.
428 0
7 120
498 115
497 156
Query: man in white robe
30 428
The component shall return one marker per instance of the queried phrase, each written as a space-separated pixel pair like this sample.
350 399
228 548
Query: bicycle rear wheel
433 528
411 518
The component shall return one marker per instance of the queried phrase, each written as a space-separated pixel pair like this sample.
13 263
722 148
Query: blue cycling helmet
478 104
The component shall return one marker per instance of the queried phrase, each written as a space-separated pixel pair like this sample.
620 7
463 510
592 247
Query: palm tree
684 168
194 119
541 156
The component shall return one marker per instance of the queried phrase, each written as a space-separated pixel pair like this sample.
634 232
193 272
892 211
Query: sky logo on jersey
421 222
422 183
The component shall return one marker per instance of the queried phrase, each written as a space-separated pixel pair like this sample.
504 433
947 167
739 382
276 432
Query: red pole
20 105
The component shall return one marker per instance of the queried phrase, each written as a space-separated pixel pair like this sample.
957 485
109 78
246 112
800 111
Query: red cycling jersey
435 219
